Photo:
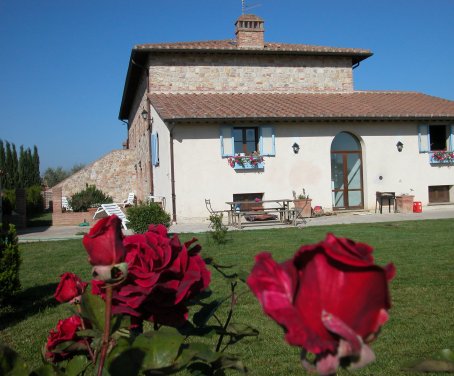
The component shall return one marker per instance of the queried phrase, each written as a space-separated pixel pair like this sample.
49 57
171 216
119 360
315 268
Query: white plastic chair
65 204
110 209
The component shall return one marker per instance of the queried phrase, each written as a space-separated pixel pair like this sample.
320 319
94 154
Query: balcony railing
441 157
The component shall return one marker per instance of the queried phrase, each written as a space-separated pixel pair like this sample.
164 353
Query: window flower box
246 162
445 157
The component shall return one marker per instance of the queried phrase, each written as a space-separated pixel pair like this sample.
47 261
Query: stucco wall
113 174
197 73
201 173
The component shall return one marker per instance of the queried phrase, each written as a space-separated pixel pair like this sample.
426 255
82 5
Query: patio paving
34 234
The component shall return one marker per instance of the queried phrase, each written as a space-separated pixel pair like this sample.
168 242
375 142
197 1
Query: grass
40 220
421 319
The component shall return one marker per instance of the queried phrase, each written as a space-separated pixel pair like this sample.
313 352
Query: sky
63 63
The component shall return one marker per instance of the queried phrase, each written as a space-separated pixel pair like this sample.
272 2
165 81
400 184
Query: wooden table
279 206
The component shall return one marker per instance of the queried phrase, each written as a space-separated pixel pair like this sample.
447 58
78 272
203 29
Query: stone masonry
248 74
114 174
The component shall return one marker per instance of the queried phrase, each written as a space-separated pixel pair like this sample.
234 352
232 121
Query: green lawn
421 319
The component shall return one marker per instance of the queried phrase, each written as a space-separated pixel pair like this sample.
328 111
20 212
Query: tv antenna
245 7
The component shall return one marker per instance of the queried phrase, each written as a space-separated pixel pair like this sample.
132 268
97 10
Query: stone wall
114 174
242 73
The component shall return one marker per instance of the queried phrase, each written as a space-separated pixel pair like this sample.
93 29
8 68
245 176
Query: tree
53 176
36 176
2 164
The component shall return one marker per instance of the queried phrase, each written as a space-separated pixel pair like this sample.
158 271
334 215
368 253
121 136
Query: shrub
90 197
219 231
9 263
142 216
8 201
34 200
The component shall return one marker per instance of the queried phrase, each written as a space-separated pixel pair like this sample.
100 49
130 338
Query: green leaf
89 333
46 370
11 363
161 348
242 330
76 365
93 308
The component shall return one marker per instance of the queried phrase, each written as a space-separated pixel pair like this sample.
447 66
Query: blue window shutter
154 149
227 142
451 138
267 141
423 138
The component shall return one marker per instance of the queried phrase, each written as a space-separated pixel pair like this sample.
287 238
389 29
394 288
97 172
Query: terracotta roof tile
373 105
231 44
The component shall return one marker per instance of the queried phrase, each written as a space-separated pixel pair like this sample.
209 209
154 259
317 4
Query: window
436 138
154 149
235 140
246 140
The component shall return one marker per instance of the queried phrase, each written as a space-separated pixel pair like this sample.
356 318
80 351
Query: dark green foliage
219 230
90 197
18 172
142 216
34 200
9 263
9 201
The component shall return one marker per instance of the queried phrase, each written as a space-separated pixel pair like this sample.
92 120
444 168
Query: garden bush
142 216
8 201
9 263
34 200
90 197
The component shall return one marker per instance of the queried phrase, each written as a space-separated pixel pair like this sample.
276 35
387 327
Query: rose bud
104 242
69 288
331 299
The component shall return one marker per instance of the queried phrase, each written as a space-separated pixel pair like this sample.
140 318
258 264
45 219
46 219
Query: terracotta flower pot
306 205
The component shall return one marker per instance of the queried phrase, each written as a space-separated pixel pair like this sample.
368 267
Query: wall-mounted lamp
296 148
144 114
399 146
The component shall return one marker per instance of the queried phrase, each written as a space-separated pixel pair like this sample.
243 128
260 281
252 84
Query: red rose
331 298
162 275
64 332
104 242
70 287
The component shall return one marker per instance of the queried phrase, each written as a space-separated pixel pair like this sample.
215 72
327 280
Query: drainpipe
355 65
172 177
150 124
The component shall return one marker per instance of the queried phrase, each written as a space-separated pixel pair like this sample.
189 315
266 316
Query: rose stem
106 334
229 317
82 324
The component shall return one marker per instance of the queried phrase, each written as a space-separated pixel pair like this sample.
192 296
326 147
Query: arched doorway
346 172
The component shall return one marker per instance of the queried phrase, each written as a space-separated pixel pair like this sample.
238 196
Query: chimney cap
249 17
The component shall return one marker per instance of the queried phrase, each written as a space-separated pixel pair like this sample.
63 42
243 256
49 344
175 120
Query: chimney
249 31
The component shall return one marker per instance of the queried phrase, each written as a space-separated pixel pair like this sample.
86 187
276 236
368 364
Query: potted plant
254 160
302 201
404 203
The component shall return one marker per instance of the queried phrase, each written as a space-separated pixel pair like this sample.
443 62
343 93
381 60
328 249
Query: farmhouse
245 118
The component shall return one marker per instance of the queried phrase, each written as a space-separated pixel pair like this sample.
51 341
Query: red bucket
417 207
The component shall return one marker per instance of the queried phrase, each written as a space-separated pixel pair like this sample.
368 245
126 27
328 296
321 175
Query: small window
436 138
154 149
246 140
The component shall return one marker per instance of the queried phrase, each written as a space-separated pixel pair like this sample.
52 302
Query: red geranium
64 332
70 287
162 275
104 242
331 299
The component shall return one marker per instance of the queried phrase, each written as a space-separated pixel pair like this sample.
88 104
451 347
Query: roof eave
312 118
